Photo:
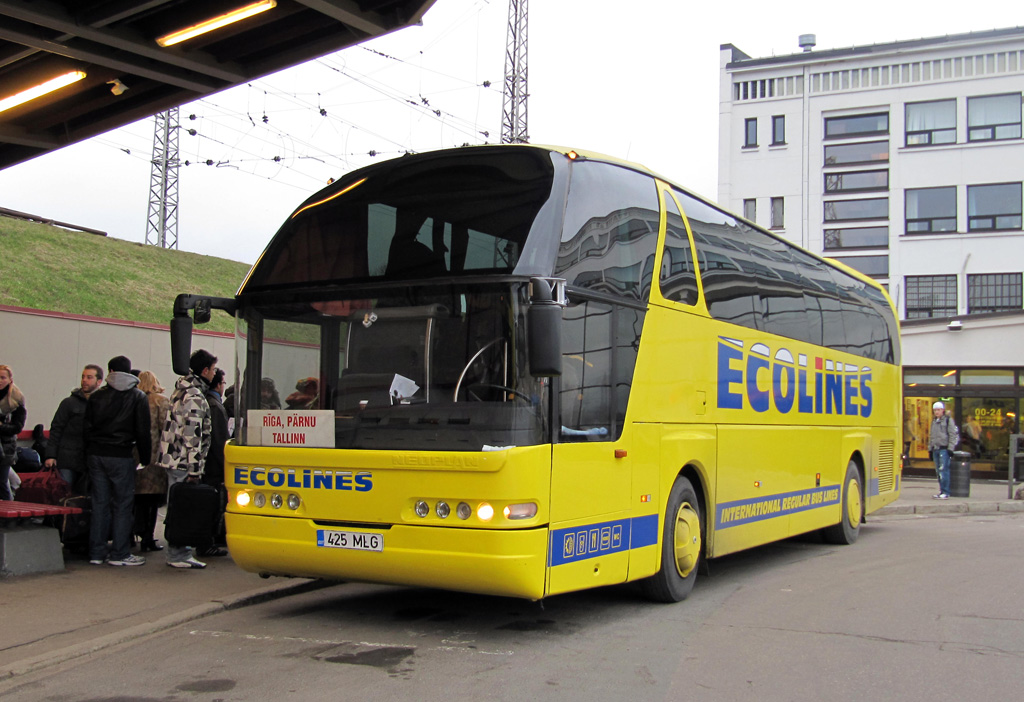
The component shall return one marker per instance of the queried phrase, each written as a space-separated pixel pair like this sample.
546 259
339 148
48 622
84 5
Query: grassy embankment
49 268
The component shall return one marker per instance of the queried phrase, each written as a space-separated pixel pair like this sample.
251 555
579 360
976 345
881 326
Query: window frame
826 204
748 124
916 293
778 124
752 217
849 135
778 218
862 247
994 127
826 163
1019 214
929 220
990 279
929 132
837 176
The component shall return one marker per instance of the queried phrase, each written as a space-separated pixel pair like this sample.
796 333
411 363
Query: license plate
355 540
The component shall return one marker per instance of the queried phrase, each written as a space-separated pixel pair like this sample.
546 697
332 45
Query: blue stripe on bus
730 514
873 488
593 540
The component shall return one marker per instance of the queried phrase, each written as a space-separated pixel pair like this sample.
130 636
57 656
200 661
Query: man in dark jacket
116 422
213 473
66 447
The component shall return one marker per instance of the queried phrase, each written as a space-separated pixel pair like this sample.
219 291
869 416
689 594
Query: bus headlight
242 499
463 511
276 500
525 510
484 512
442 509
294 501
422 509
260 500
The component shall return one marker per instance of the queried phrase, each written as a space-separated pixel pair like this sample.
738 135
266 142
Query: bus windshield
439 369
467 213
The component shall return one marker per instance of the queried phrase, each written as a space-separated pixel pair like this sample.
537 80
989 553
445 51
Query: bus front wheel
682 540
847 530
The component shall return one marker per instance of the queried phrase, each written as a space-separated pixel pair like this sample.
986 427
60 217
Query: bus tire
847 530
682 542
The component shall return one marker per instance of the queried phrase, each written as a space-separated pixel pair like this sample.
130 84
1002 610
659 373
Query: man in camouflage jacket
186 439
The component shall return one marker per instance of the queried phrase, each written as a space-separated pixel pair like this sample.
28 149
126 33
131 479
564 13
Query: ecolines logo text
760 380
312 478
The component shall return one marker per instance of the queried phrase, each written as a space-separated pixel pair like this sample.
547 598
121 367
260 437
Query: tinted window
600 343
611 230
873 208
857 125
461 211
678 278
727 269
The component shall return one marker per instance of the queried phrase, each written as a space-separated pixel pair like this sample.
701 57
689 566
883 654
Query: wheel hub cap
687 542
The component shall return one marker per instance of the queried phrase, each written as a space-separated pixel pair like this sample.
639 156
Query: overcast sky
635 79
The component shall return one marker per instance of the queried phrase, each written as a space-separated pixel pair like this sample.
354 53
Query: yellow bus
528 370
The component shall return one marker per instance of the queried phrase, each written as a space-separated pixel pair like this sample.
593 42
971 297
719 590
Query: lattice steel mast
513 113
162 222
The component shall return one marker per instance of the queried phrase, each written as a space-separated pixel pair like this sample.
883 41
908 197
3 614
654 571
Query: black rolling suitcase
74 530
193 510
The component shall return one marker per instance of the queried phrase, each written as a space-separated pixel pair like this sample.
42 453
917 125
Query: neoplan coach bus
542 370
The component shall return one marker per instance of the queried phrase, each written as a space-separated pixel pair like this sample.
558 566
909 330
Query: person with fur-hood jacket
187 437
116 425
12 421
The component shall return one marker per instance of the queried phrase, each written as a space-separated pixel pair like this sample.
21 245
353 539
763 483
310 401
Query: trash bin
960 474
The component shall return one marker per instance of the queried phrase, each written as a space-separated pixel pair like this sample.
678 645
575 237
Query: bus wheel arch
852 505
683 531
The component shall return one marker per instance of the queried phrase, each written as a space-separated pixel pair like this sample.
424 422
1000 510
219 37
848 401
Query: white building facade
904 161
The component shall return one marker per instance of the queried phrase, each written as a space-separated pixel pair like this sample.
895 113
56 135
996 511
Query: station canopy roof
122 60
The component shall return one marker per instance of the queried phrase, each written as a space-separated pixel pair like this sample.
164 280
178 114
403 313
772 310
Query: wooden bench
27 510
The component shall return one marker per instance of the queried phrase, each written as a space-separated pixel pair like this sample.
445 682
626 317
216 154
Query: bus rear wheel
848 528
682 541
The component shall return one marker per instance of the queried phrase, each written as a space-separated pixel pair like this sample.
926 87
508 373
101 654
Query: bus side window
610 231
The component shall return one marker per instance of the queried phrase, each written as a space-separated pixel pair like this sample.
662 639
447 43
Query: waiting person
12 421
943 436
66 447
307 392
269 397
213 474
186 439
151 480
116 425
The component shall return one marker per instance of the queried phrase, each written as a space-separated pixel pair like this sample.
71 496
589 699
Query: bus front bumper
501 562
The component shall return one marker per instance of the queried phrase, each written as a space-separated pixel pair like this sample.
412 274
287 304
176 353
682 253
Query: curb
953 508
138 631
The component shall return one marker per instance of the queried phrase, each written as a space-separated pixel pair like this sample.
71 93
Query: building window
778 213
750 132
873 266
856 125
865 152
931 210
856 181
993 117
839 210
930 123
857 238
750 209
778 130
993 292
994 207
931 296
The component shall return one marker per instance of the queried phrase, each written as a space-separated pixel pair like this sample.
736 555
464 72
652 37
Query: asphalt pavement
57 617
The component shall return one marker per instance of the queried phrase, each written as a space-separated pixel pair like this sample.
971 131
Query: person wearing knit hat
943 437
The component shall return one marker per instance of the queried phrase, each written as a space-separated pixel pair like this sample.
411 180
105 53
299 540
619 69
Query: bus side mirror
544 327
181 343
